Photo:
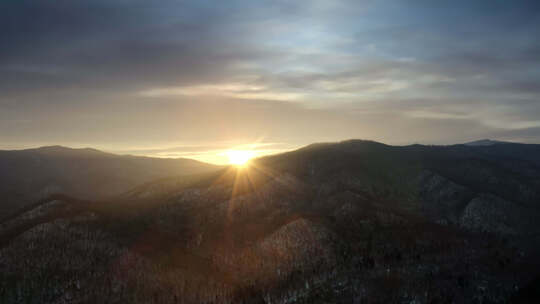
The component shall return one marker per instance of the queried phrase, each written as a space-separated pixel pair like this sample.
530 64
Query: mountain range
28 175
349 222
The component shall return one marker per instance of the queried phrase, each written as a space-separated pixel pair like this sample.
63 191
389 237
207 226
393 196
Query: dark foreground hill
28 175
349 222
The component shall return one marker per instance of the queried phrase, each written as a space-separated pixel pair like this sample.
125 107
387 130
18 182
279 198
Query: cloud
436 115
228 90
146 74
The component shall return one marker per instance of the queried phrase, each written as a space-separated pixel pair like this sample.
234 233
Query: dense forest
351 222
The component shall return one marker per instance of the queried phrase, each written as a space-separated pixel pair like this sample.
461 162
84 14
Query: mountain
27 175
484 142
347 222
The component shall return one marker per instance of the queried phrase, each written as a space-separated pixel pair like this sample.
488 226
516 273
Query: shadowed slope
29 175
326 223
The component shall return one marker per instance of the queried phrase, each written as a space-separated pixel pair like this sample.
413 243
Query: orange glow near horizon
240 157
218 153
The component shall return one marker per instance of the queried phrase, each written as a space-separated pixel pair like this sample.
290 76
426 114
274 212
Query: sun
239 157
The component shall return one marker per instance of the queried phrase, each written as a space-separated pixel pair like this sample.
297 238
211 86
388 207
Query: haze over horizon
218 155
196 78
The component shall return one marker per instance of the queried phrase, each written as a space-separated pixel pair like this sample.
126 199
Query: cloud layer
118 73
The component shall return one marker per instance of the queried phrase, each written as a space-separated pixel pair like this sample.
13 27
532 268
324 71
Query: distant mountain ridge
485 142
63 150
27 175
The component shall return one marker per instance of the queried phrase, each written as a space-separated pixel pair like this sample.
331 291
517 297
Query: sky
176 78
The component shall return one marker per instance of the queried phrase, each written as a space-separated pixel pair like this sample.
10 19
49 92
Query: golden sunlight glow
239 157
